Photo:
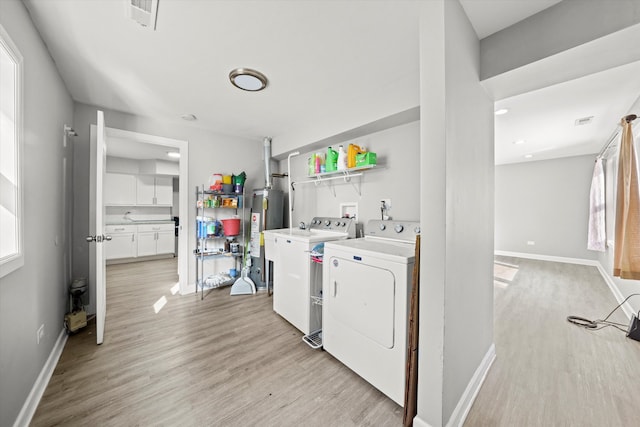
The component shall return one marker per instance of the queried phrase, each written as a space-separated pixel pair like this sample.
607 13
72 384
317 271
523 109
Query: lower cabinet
130 241
122 243
156 239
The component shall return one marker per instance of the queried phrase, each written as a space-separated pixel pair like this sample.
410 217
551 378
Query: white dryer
366 289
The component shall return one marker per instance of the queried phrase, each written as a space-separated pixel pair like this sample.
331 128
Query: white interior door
101 279
98 273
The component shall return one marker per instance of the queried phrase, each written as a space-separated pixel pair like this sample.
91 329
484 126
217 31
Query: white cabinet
122 243
156 239
164 190
154 190
145 190
119 189
122 189
166 242
291 280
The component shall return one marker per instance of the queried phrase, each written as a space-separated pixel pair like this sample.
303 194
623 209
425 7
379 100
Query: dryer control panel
393 229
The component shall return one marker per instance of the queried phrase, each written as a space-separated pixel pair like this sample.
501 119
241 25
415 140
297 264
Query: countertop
141 221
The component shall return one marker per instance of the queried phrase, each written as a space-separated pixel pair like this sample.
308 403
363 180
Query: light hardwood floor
548 372
222 361
231 361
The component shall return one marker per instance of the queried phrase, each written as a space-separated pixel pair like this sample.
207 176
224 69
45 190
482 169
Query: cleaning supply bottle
342 159
332 160
351 154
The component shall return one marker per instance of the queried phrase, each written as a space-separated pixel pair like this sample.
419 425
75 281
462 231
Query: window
11 248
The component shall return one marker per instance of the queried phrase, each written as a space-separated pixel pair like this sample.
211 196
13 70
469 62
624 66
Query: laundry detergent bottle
352 151
342 159
332 160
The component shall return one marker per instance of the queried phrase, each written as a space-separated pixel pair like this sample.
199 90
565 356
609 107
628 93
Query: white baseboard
31 404
626 307
419 422
469 396
463 407
552 258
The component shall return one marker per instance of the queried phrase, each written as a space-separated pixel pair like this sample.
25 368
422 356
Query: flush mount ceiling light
528 156
501 111
173 154
248 79
519 141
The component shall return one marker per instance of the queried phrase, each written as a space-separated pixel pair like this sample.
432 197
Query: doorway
138 141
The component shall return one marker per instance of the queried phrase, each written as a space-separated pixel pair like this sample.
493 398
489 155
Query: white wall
396 177
35 294
208 153
456 294
546 202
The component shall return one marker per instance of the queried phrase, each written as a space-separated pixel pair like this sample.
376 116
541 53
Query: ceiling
316 54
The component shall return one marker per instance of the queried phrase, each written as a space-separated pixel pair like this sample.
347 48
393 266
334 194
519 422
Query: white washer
293 275
366 288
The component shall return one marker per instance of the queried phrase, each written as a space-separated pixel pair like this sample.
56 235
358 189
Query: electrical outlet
40 334
531 243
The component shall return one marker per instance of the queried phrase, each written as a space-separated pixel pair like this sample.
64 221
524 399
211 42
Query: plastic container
366 159
215 182
342 159
352 152
331 164
231 226
226 179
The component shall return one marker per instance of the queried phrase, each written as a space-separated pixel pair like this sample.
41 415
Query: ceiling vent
144 12
584 121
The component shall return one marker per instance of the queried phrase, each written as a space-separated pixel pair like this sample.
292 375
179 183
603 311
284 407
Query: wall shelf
345 175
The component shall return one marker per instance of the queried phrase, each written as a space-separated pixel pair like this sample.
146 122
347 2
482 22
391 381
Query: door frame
183 147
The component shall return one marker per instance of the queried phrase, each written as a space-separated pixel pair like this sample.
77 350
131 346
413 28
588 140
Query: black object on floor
634 329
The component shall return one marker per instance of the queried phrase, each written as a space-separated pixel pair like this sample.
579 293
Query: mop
244 285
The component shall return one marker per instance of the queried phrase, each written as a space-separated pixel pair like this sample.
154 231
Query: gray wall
36 293
456 212
546 202
208 153
396 177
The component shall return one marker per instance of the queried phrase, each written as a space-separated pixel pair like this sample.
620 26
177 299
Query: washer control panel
342 225
393 229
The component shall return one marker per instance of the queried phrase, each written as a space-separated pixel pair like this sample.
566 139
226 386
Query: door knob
98 239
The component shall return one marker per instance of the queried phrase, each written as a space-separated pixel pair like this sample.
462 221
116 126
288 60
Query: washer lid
309 236
377 248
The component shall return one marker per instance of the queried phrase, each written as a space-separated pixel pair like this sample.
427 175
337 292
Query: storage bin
231 226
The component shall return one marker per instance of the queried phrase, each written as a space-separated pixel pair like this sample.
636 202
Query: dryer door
361 297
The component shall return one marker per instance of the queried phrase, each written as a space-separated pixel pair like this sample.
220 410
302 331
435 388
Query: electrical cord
599 324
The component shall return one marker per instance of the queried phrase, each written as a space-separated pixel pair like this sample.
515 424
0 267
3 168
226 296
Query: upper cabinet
119 189
154 190
137 190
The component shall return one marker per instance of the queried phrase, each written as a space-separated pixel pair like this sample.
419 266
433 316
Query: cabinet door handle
133 237
335 288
